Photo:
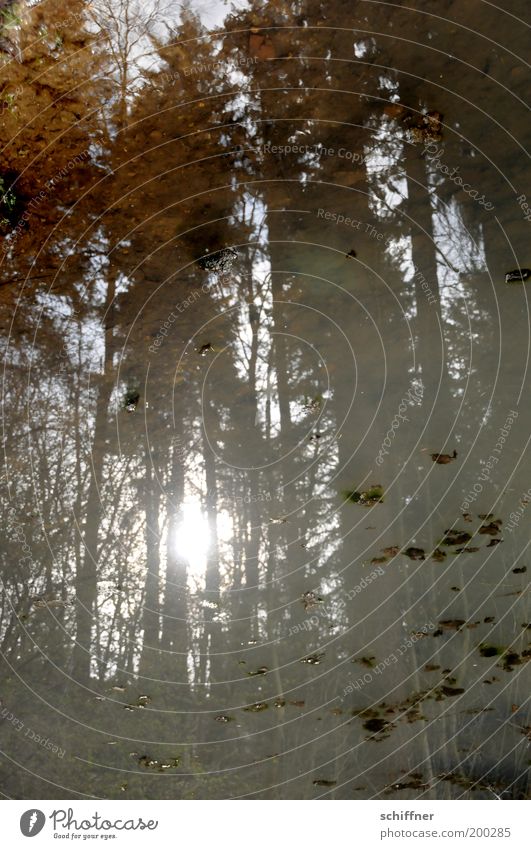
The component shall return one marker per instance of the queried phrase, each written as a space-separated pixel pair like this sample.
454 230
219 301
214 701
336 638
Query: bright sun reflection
192 538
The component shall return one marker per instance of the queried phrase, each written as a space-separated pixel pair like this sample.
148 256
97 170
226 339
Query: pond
266 345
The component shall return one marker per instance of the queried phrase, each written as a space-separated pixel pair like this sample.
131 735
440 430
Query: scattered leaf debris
158 766
451 624
262 670
452 536
493 528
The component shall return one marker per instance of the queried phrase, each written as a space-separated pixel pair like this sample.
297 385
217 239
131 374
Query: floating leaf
454 537
442 459
157 766
518 275
451 691
454 624
375 725
313 659
367 498
366 661
257 707
490 651
414 553
261 671
324 782
493 528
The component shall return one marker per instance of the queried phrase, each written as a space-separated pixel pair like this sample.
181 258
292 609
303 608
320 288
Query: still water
265 400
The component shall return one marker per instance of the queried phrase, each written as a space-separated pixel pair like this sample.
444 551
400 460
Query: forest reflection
227 257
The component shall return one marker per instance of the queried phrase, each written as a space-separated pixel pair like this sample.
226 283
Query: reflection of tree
232 431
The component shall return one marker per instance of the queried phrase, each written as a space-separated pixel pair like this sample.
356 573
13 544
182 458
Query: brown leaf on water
442 459
414 553
451 624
